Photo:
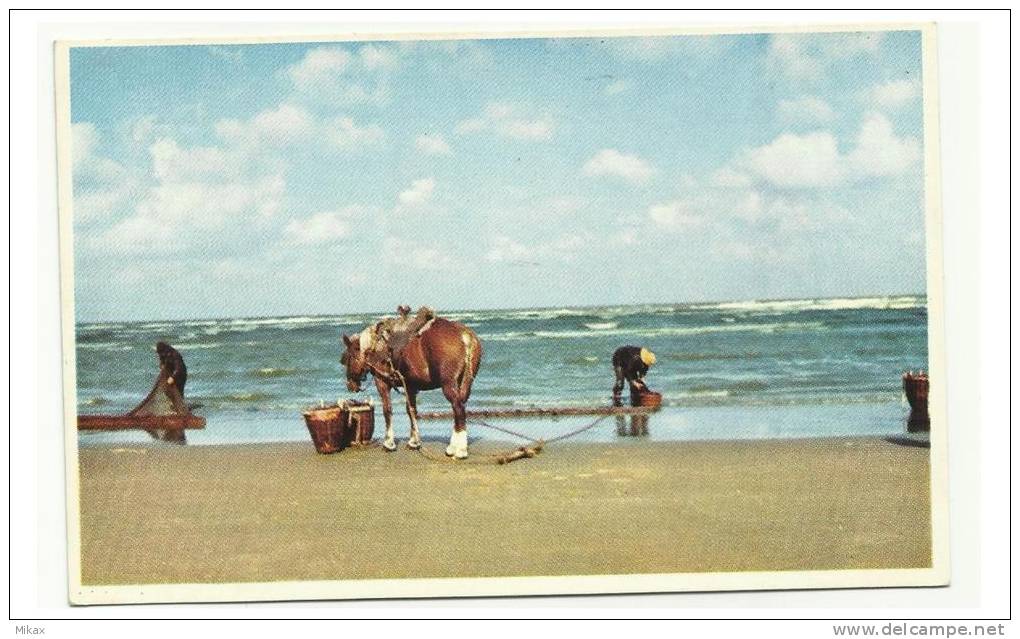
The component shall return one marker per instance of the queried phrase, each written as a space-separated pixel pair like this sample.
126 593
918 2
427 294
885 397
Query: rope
558 438
499 458
502 457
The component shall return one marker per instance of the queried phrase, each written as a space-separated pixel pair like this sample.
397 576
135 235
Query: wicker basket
360 422
333 428
326 426
645 398
915 386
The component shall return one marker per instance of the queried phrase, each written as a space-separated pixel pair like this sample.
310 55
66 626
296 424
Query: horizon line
504 308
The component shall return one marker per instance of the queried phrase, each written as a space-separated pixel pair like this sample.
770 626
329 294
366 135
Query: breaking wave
659 332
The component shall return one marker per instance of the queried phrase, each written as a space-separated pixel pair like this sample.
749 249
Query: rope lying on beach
567 435
505 457
522 452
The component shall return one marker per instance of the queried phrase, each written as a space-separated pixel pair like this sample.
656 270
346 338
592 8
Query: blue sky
283 179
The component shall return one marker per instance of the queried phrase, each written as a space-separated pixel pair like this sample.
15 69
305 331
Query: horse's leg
389 443
458 447
414 443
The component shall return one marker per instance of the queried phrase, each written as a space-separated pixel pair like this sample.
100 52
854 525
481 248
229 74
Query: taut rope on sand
521 452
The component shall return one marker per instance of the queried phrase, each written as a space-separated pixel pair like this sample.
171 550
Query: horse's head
354 363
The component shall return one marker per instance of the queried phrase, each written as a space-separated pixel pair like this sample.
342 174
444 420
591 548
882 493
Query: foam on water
658 332
258 373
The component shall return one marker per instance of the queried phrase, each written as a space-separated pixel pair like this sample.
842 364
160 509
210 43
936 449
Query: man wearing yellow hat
630 363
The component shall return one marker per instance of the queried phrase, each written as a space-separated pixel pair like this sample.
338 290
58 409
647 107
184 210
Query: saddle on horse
393 334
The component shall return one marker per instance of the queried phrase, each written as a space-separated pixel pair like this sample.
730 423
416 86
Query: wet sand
271 512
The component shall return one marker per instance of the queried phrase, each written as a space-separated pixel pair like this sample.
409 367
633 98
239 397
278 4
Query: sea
730 370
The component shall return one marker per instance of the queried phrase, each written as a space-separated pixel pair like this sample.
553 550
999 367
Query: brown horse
446 356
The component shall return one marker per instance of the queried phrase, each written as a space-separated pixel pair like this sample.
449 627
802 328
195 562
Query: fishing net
164 399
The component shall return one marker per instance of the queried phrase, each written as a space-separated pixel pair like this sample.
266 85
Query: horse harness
388 340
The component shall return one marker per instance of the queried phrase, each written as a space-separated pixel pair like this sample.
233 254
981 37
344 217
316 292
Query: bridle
392 376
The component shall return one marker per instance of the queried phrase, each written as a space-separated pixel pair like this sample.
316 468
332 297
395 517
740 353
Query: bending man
630 363
171 362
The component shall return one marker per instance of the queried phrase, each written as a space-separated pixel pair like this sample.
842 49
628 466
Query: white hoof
413 445
458 445
389 445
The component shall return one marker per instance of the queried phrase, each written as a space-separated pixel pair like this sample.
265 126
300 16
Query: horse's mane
367 338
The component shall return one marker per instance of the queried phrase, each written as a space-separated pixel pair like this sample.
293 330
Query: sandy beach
269 512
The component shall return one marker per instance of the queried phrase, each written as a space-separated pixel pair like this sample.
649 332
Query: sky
319 178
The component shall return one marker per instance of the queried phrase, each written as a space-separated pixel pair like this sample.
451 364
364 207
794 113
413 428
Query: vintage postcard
543 313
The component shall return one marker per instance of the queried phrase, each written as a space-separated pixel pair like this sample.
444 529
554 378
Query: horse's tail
467 374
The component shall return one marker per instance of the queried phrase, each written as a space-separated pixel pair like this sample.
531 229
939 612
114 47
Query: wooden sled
163 414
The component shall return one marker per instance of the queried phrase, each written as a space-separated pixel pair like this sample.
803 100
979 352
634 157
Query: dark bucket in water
645 398
333 428
915 386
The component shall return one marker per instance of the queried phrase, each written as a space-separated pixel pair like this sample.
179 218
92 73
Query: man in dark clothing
171 362
630 363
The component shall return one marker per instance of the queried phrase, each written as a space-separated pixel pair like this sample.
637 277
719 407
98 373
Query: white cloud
290 124
505 249
675 216
759 253
509 121
177 215
326 75
419 193
615 88
433 145
319 228
627 237
233 54
710 205
345 134
212 204
806 56
794 214
83 142
472 125
101 186
143 129
197 190
88 168
319 67
172 163
814 160
535 129
565 246
95 204
286 123
563 204
810 160
510 251
407 254
850 44
786 53
657 48
893 94
879 152
727 177
612 162
807 109
446 56
378 57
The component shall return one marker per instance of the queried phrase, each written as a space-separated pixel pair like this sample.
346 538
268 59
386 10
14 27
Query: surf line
551 411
